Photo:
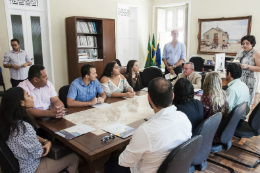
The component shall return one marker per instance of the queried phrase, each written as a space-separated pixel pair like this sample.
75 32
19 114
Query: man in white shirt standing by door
17 61
155 139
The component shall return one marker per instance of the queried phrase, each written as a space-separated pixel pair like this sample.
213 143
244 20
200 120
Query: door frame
136 49
45 9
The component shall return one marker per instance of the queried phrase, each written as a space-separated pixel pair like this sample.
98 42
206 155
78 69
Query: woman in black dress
132 75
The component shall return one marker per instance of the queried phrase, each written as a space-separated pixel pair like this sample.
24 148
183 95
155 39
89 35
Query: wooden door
216 38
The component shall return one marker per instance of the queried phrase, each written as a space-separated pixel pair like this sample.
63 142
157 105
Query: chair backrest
8 163
2 79
198 63
231 123
207 130
122 70
254 118
149 74
180 158
63 92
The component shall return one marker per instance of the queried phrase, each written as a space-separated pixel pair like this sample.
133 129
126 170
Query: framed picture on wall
222 35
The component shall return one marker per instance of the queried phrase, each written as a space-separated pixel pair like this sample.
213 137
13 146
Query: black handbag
58 150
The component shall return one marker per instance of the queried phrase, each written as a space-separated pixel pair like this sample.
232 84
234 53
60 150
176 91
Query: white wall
216 9
59 10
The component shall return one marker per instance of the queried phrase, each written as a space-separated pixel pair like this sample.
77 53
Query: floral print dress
248 76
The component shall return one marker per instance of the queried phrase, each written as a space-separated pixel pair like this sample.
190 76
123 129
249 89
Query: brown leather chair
122 70
180 158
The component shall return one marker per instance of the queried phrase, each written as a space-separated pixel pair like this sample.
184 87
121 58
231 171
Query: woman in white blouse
17 128
115 84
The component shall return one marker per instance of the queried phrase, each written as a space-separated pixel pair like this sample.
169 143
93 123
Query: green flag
149 56
153 51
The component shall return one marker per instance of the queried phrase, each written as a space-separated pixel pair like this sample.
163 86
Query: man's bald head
175 34
160 92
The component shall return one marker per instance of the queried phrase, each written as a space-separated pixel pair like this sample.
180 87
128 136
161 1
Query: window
207 36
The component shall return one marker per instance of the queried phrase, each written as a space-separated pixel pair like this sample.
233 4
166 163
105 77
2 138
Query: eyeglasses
106 138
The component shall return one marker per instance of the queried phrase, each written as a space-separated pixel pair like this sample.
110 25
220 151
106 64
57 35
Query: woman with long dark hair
132 75
18 129
115 84
185 102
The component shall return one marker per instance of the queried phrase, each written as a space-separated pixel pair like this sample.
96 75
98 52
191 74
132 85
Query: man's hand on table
100 100
93 101
58 111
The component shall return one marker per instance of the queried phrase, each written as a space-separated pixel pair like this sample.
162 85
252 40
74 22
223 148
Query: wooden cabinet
105 46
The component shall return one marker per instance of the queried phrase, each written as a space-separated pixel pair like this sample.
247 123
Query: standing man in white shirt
174 54
155 139
17 61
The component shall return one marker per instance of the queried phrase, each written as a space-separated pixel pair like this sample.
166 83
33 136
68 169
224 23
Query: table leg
98 166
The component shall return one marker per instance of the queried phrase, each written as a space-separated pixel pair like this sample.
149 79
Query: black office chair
207 130
180 158
228 131
8 163
149 74
2 82
248 130
198 63
63 92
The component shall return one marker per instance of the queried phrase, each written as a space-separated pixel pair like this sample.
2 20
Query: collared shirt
237 93
41 97
80 92
174 54
26 148
154 140
18 59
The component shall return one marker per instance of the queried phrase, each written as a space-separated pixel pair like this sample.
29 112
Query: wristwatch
174 66
43 141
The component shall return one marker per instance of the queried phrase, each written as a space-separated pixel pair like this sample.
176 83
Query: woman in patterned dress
250 63
115 84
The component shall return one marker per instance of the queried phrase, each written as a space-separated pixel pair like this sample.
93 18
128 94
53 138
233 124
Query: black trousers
15 83
177 71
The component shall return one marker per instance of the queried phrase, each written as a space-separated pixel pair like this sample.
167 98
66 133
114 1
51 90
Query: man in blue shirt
83 90
174 54
237 90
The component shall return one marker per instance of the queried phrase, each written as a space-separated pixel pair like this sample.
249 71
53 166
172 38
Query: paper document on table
75 131
145 89
131 97
101 105
119 130
170 76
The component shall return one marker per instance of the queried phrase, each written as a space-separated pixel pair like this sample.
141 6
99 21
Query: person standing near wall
17 61
174 54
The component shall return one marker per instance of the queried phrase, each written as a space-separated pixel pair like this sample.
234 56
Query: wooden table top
88 145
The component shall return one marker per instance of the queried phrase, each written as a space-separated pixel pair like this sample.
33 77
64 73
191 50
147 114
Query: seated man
46 101
83 90
154 140
188 73
237 90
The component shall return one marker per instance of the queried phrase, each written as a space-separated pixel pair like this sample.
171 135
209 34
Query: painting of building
216 36
222 35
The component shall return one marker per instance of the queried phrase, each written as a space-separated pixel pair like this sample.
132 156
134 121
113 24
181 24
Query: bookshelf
82 45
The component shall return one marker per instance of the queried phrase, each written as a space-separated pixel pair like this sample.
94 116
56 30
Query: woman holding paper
132 75
250 63
18 130
115 84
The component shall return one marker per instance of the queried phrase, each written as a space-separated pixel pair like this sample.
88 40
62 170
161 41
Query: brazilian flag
153 61
148 58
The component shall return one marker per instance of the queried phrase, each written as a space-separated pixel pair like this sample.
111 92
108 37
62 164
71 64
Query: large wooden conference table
89 145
